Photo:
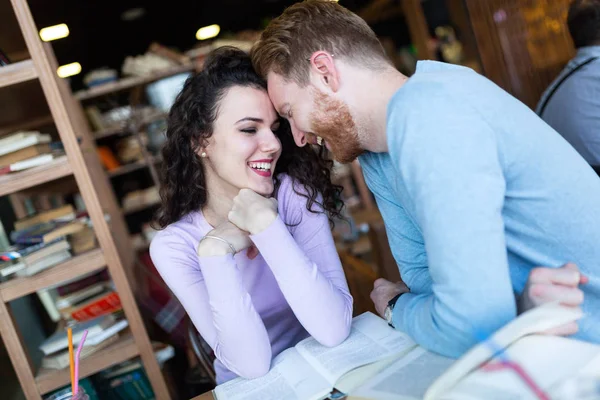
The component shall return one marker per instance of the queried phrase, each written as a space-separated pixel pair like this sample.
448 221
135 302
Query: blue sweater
475 191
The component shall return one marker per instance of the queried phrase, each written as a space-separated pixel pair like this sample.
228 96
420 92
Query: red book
103 304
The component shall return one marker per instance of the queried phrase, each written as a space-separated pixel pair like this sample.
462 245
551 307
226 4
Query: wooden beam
419 30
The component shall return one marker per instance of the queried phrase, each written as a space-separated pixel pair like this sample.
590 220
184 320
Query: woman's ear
199 147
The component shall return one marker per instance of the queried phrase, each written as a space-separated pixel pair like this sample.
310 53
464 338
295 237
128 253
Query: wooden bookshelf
77 266
29 124
127 168
122 350
16 181
32 86
140 207
134 166
128 83
12 74
104 133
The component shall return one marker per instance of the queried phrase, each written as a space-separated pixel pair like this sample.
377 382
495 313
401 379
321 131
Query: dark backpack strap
564 78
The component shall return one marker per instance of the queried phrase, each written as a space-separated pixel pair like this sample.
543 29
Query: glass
65 394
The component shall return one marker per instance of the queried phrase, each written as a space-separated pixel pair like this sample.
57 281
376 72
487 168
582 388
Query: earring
203 154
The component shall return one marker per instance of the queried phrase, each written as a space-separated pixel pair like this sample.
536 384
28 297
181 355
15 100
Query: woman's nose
270 143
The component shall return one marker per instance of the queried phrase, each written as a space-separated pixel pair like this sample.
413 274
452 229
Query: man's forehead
277 88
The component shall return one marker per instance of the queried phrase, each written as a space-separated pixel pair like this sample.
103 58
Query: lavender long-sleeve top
249 311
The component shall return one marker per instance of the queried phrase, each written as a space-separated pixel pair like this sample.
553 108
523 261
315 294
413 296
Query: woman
246 245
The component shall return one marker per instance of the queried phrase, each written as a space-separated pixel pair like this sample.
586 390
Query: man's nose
299 136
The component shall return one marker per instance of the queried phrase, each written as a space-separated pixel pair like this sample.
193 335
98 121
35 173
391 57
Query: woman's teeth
260 166
319 140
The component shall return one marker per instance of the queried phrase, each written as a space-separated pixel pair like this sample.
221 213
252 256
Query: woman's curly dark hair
190 124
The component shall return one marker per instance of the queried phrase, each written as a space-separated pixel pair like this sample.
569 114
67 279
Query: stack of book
24 150
45 240
102 331
141 198
81 301
90 302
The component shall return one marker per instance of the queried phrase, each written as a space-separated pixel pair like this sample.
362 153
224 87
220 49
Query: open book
309 371
379 363
551 362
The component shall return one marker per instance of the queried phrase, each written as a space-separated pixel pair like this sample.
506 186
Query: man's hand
384 291
547 285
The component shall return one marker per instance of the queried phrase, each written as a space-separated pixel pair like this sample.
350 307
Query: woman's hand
239 239
252 212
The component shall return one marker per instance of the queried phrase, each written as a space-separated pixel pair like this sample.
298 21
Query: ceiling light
54 32
67 70
208 32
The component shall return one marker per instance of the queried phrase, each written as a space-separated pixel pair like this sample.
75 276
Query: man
475 190
571 104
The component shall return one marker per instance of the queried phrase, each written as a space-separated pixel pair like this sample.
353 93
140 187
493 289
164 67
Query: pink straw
79 347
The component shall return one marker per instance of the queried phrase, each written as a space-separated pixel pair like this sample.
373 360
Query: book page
371 339
547 360
356 378
536 320
406 379
290 378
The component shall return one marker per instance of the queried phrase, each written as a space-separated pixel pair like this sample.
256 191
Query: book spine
48 302
104 305
82 283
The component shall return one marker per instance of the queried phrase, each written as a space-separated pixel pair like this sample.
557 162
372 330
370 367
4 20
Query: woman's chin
264 189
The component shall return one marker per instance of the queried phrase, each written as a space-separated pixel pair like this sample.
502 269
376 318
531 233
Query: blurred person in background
571 104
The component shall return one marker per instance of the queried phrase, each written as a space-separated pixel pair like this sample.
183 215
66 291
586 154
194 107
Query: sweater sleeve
211 291
307 268
449 161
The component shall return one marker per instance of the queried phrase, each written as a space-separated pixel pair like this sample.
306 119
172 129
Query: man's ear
323 68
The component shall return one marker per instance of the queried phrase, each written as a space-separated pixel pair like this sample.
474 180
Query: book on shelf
82 241
72 299
22 140
47 232
83 282
4 60
9 268
377 362
104 303
128 379
28 260
45 263
30 162
25 153
63 213
99 330
54 303
60 359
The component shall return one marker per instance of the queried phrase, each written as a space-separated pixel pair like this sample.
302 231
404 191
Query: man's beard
332 121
